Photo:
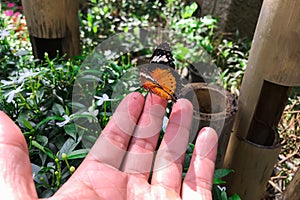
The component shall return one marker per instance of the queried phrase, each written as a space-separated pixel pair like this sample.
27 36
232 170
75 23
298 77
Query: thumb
15 169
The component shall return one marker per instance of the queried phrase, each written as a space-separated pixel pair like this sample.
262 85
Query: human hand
119 164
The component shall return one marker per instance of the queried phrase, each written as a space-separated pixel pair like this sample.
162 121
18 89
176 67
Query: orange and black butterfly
159 76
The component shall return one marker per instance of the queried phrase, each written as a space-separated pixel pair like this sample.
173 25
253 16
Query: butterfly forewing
163 55
159 76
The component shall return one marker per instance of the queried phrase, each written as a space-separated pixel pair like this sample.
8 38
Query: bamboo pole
274 56
273 68
252 165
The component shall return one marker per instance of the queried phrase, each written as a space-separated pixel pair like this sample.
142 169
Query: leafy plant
37 97
104 19
59 130
231 57
219 192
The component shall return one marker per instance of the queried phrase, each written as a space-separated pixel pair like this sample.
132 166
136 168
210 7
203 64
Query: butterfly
159 77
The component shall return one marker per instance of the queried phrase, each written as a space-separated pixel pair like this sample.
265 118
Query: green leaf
42 139
95 29
68 146
182 52
58 109
220 173
43 149
77 106
218 181
187 162
90 19
71 130
105 9
81 153
87 116
189 10
216 193
36 175
44 121
234 197
26 123
126 29
115 67
223 195
67 111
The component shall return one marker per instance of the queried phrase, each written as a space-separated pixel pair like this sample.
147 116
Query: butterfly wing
167 82
163 55
159 76
161 80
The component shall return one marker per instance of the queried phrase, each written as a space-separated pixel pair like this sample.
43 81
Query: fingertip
208 132
127 113
178 128
182 112
7 125
10 133
135 96
185 105
207 143
133 103
199 178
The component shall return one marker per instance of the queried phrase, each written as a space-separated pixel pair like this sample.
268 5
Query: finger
112 144
142 145
15 174
199 178
168 162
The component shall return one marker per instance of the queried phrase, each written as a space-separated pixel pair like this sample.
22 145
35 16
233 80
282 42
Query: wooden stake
53 26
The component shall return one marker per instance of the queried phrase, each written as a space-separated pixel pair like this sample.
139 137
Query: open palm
119 164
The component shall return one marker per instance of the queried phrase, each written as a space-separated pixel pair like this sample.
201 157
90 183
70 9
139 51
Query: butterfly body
159 77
